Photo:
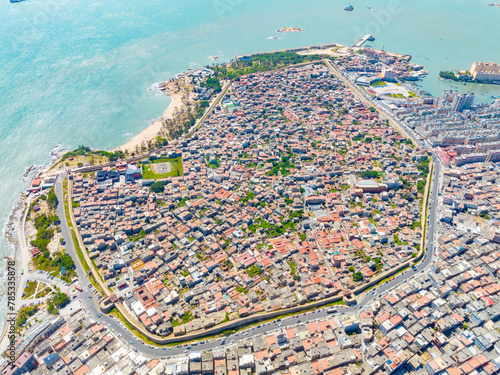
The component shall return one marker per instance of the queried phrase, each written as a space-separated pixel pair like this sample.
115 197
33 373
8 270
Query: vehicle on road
331 310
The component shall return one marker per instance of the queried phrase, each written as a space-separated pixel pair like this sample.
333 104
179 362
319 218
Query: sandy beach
336 51
152 130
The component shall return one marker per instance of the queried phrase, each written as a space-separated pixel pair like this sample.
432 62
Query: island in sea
290 30
480 72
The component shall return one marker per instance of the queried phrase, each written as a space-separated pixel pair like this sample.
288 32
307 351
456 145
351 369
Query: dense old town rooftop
291 191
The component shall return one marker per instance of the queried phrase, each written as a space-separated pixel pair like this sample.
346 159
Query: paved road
89 299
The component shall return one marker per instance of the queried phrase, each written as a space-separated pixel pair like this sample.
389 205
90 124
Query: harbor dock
364 39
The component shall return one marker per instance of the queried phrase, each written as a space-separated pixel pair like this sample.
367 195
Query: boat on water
213 58
349 8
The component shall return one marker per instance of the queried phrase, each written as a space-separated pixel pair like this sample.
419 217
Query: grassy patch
187 317
340 302
43 290
79 252
389 278
396 95
241 290
416 224
397 240
175 168
44 266
137 237
30 288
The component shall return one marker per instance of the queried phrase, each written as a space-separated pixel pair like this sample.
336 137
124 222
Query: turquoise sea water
78 72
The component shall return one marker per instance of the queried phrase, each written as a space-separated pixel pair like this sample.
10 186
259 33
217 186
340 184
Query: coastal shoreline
152 131
13 232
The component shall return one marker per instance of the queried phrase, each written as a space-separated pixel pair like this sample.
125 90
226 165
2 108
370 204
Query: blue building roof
50 359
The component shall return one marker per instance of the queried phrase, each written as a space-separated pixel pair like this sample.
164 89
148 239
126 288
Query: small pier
364 39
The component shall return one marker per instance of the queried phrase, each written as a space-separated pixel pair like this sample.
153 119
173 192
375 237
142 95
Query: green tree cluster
212 83
370 174
87 151
284 167
424 167
253 270
52 199
44 230
157 187
260 63
23 315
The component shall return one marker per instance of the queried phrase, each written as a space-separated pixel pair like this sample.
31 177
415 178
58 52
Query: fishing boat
349 8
